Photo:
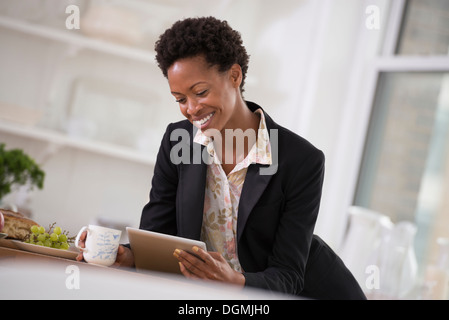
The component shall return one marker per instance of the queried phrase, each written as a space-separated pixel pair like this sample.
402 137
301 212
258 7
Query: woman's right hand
125 257
82 244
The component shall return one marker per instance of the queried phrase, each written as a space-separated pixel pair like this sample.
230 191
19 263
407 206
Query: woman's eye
202 93
182 100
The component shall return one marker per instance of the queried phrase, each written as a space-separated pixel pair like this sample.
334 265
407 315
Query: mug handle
78 238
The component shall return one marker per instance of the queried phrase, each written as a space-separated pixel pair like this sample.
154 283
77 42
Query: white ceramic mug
101 244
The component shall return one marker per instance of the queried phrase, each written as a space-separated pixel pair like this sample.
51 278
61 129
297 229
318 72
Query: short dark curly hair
214 39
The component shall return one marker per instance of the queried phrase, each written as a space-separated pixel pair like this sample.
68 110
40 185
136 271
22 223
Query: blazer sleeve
286 265
159 214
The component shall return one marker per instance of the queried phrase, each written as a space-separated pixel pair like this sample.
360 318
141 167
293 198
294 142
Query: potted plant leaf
18 169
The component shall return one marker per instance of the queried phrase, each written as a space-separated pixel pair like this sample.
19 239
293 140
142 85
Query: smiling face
206 97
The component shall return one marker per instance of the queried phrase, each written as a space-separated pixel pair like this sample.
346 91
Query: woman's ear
236 75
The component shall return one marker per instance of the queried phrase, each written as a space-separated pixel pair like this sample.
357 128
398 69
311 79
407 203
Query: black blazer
277 212
327 277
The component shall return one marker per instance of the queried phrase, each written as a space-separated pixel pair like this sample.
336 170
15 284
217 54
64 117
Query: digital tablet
154 251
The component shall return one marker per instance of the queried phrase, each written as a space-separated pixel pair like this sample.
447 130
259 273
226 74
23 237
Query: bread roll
16 225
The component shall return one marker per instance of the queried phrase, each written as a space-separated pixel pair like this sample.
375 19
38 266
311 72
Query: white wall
82 186
342 105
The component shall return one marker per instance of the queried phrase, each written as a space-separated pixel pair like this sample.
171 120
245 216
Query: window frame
357 114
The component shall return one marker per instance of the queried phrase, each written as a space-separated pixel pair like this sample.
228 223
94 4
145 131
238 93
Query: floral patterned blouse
222 194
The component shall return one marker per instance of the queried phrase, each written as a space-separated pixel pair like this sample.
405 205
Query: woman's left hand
211 266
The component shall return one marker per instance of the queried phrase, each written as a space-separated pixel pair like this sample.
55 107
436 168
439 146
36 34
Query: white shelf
62 140
75 39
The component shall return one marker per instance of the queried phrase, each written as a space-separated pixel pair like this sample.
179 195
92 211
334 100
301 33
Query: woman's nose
193 107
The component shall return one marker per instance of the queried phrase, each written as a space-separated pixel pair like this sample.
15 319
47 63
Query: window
425 28
405 167
406 154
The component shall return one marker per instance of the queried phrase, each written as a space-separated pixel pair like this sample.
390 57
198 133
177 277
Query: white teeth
205 119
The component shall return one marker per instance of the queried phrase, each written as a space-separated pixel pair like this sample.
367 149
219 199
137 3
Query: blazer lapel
191 204
255 183
253 187
191 191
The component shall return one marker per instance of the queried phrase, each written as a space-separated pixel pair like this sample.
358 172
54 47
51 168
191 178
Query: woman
258 228
252 198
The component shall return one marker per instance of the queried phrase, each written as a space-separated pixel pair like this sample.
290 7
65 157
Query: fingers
186 272
83 238
82 244
125 257
122 255
204 255
82 241
188 261
197 265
